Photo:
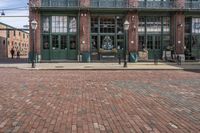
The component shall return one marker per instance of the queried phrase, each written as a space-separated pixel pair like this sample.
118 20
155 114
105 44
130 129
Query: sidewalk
105 66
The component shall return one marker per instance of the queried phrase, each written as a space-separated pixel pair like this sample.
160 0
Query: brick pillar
35 14
84 31
133 31
178 32
178 22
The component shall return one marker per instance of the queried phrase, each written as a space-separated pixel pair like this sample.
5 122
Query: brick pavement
99 101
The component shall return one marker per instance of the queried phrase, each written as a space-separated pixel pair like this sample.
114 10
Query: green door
72 47
63 47
154 46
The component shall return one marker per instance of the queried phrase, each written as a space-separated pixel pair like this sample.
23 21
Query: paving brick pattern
99 101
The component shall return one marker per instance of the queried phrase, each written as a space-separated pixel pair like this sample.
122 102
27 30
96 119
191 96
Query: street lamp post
33 27
126 27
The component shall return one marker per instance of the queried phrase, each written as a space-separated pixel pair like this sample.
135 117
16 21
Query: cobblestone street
61 101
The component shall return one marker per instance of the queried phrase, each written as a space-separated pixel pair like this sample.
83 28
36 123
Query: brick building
11 38
94 28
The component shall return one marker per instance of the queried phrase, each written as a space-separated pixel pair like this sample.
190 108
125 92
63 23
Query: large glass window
107 25
59 24
153 24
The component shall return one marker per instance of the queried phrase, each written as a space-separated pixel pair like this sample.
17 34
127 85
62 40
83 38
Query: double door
63 47
154 46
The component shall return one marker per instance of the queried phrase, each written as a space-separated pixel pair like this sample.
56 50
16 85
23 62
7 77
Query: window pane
195 25
107 25
94 25
94 43
73 42
45 25
63 42
72 24
55 41
59 24
45 41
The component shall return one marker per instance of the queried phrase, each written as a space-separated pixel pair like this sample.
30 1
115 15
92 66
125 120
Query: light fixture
34 24
180 25
2 13
126 25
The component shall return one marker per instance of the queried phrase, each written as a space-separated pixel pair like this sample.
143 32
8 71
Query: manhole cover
59 66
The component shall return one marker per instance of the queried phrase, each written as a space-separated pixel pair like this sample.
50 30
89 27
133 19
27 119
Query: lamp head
126 25
34 24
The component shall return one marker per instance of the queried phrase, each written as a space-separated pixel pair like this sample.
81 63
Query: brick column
178 33
84 31
133 19
35 14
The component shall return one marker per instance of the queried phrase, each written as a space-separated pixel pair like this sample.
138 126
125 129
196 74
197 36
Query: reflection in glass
45 41
59 24
72 24
63 42
72 42
45 26
55 41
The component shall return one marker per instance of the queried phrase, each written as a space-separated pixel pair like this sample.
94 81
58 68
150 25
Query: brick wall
19 41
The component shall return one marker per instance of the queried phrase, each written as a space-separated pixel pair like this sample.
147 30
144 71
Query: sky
7 6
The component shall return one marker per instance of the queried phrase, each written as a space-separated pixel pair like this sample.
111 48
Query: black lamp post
33 27
126 27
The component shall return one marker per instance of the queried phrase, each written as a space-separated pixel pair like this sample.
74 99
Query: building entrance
107 36
63 47
154 46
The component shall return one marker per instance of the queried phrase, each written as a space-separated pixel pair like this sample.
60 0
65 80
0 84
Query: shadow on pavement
13 61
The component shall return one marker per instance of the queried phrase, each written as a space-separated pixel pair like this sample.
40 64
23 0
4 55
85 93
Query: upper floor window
59 24
45 24
72 24
166 24
141 27
153 24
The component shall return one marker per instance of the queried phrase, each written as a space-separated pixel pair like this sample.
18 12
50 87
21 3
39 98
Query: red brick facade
177 26
16 39
178 31
84 31
132 18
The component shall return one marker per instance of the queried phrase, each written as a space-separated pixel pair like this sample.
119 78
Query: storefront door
63 47
154 46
